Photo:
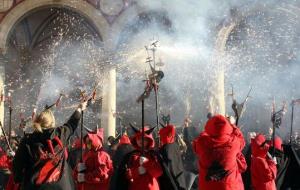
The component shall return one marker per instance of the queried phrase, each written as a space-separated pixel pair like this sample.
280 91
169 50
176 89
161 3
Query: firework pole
294 102
155 86
10 116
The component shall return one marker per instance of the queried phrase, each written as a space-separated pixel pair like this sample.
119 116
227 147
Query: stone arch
240 15
22 9
124 19
217 101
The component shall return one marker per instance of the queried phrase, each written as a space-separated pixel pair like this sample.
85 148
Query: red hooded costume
278 143
4 161
148 180
6 165
98 164
167 135
219 149
11 185
124 140
263 169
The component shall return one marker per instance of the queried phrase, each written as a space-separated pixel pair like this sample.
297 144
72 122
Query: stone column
108 121
217 96
2 82
217 102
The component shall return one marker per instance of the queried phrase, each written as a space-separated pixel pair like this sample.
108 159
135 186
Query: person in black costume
171 156
141 169
281 160
189 134
31 160
124 148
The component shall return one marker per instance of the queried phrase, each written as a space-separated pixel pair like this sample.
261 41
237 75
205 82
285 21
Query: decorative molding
5 5
82 7
111 8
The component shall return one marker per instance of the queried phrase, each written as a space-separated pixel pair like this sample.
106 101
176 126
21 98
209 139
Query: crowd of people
171 158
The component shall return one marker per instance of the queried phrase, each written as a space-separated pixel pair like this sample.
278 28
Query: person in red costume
263 166
96 169
141 168
124 140
167 135
4 160
221 162
278 143
5 169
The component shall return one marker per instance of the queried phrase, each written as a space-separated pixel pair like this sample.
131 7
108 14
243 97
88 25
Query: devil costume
263 169
281 160
4 168
132 174
219 149
133 179
98 165
123 149
27 166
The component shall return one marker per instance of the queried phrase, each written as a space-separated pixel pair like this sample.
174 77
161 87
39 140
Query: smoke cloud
262 52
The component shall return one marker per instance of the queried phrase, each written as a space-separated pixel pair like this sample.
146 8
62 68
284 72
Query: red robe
263 169
167 135
11 185
220 143
6 164
99 167
4 161
149 180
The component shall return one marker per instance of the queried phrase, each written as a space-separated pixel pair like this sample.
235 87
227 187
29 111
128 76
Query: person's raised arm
73 122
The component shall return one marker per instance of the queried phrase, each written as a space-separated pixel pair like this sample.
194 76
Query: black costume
25 164
172 158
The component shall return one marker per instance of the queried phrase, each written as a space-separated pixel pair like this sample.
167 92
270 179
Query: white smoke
261 53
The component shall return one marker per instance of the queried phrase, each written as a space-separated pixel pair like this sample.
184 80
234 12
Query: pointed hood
138 135
278 143
218 127
259 147
124 140
167 134
96 137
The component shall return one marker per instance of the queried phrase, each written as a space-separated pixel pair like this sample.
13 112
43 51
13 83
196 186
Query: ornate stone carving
5 5
110 7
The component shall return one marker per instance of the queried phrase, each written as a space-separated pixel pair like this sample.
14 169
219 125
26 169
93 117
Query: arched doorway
49 51
257 46
27 7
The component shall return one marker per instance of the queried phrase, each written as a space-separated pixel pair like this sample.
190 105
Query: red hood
138 135
167 135
4 161
257 147
218 127
96 138
124 140
278 143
